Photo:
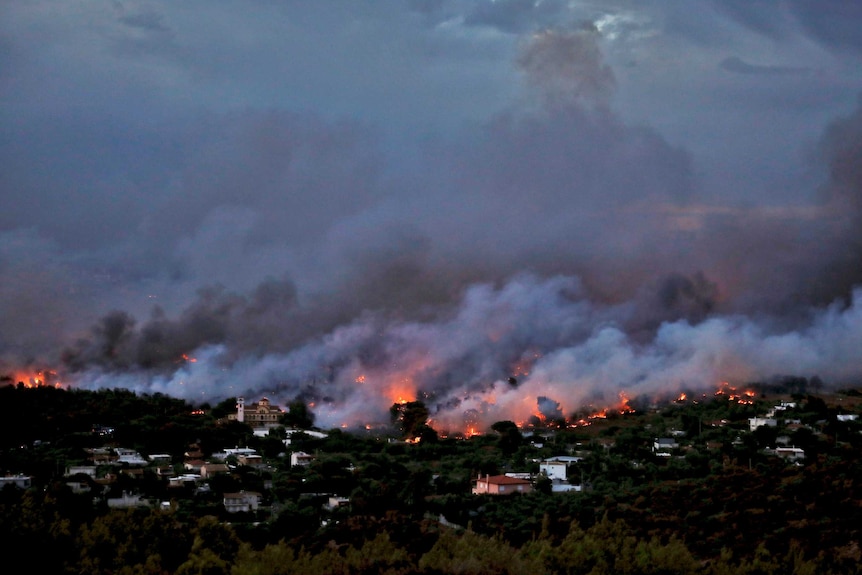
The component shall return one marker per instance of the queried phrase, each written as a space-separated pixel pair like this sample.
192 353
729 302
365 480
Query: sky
499 208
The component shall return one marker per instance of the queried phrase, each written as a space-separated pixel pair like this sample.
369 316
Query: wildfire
621 408
37 378
401 392
745 397
523 366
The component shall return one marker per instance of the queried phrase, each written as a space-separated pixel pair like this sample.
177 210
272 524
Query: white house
130 457
664 444
21 481
89 470
755 422
300 458
127 500
554 469
242 501
791 453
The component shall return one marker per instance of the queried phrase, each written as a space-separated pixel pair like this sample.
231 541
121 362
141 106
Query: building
260 414
89 470
790 453
20 481
209 470
300 458
250 460
127 501
755 422
664 444
501 485
130 457
242 501
554 469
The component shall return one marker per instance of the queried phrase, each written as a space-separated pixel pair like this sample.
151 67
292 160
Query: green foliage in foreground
722 510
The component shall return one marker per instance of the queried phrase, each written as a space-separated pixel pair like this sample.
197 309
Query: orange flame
37 378
745 397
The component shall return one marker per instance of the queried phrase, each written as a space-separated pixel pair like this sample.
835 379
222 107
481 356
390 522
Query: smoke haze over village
499 208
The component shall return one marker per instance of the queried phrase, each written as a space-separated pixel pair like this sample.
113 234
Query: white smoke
460 366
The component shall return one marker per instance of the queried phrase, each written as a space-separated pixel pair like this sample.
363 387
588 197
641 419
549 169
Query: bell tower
240 409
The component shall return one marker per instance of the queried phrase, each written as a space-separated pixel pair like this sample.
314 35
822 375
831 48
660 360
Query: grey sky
299 192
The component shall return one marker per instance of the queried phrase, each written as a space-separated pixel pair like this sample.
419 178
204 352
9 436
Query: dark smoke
556 238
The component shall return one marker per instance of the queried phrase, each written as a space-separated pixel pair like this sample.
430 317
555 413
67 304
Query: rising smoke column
561 247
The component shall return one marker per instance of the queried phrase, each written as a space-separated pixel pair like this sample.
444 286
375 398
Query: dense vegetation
722 504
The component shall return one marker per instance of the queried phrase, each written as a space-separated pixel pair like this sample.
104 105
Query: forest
722 503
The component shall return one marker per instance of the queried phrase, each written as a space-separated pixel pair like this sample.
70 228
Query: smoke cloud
549 256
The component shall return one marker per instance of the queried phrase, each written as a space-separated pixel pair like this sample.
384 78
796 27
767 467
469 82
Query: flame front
745 397
36 378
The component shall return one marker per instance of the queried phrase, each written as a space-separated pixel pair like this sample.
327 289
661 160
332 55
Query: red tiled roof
504 480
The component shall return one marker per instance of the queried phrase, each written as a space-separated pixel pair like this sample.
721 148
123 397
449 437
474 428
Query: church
260 414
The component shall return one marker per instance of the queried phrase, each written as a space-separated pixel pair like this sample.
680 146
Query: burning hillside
551 256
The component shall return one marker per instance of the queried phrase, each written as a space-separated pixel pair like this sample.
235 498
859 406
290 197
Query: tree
510 436
410 417
298 416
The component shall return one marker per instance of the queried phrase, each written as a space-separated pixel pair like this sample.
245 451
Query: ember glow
36 378
743 397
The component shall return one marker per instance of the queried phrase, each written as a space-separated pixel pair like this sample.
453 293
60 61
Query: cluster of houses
555 469
196 470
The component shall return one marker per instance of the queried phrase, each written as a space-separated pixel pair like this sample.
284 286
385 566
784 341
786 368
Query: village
242 481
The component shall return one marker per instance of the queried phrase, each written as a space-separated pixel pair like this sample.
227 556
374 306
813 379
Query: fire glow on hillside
34 378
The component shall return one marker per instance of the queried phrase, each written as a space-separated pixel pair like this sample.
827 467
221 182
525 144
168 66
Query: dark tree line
720 507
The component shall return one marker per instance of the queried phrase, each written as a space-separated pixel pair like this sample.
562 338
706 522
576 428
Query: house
847 417
184 480
336 502
568 459
129 457
554 469
101 455
209 470
300 458
233 452
89 470
501 485
20 481
126 501
755 422
251 460
790 453
242 501
664 444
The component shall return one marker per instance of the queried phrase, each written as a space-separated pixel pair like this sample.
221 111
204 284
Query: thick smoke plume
547 260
